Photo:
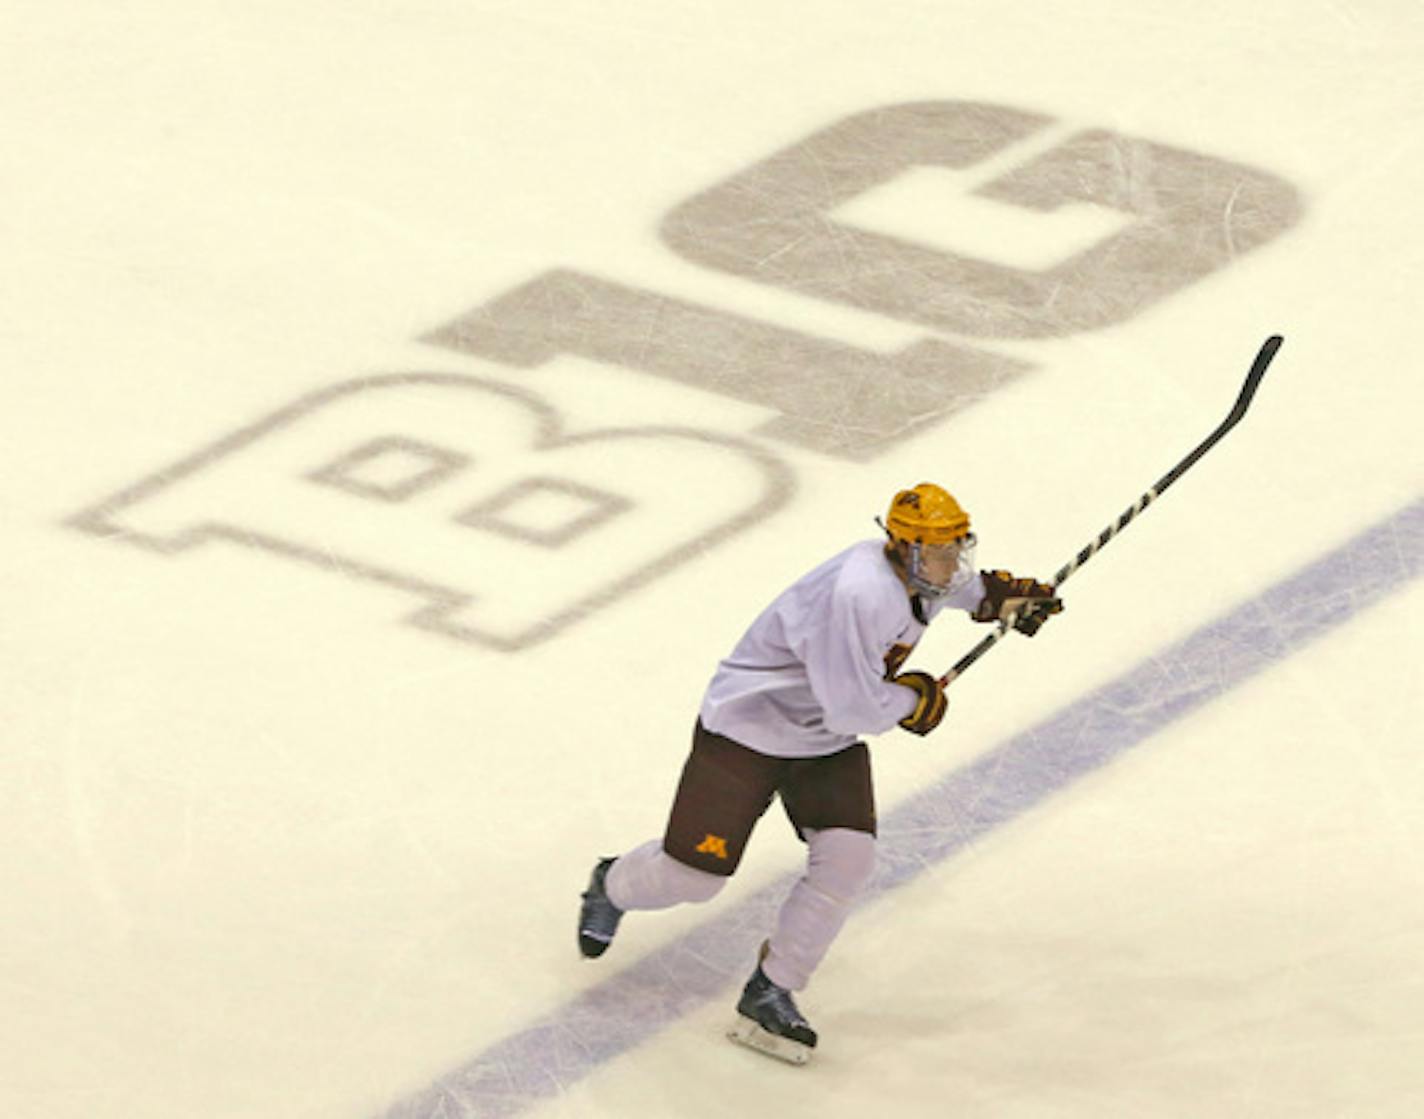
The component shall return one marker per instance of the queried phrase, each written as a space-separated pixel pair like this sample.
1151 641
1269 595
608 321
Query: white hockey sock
647 877
839 864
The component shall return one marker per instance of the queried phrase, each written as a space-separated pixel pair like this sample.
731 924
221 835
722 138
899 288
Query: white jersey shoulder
809 676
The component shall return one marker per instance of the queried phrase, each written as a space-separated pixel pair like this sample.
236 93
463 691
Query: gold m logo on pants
713 845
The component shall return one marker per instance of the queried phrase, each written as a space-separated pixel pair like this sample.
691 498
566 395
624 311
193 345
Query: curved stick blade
1264 357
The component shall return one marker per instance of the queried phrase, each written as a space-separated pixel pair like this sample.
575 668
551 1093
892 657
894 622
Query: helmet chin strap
916 585
922 585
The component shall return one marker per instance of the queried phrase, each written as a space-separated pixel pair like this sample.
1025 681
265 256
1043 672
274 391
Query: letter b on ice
467 494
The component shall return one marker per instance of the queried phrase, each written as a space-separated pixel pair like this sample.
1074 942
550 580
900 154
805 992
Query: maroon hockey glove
931 706
1004 594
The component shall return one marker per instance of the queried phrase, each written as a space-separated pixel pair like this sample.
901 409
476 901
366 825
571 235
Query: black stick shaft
1243 402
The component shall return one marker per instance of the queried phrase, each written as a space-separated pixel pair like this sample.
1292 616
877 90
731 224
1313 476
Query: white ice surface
268 851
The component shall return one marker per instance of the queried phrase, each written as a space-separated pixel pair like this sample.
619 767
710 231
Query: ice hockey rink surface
405 406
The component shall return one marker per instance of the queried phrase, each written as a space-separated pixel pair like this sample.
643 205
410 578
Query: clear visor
936 570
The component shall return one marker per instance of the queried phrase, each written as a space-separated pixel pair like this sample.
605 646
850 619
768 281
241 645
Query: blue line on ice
632 1005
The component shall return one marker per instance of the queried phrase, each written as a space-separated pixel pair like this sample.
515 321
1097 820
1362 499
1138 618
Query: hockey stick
1243 401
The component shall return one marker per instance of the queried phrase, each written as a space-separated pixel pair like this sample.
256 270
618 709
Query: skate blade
746 1032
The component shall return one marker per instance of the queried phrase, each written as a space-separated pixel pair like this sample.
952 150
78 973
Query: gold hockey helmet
926 514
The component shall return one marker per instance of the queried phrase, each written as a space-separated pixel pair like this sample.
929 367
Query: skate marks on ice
823 395
1012 779
1113 224
445 486
468 493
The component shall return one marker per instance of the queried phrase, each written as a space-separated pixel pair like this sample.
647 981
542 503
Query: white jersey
809 677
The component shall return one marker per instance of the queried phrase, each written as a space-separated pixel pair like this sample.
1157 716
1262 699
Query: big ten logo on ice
475 496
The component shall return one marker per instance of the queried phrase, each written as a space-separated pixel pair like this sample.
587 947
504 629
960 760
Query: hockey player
783 715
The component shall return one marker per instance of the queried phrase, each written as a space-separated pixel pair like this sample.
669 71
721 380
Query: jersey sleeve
845 667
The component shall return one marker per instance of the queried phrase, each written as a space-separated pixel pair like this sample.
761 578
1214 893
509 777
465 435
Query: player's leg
644 878
831 803
725 788
840 861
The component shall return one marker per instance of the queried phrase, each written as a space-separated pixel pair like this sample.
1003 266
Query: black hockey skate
769 1022
599 917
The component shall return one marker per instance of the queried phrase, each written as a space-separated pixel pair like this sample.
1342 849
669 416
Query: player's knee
842 861
693 885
